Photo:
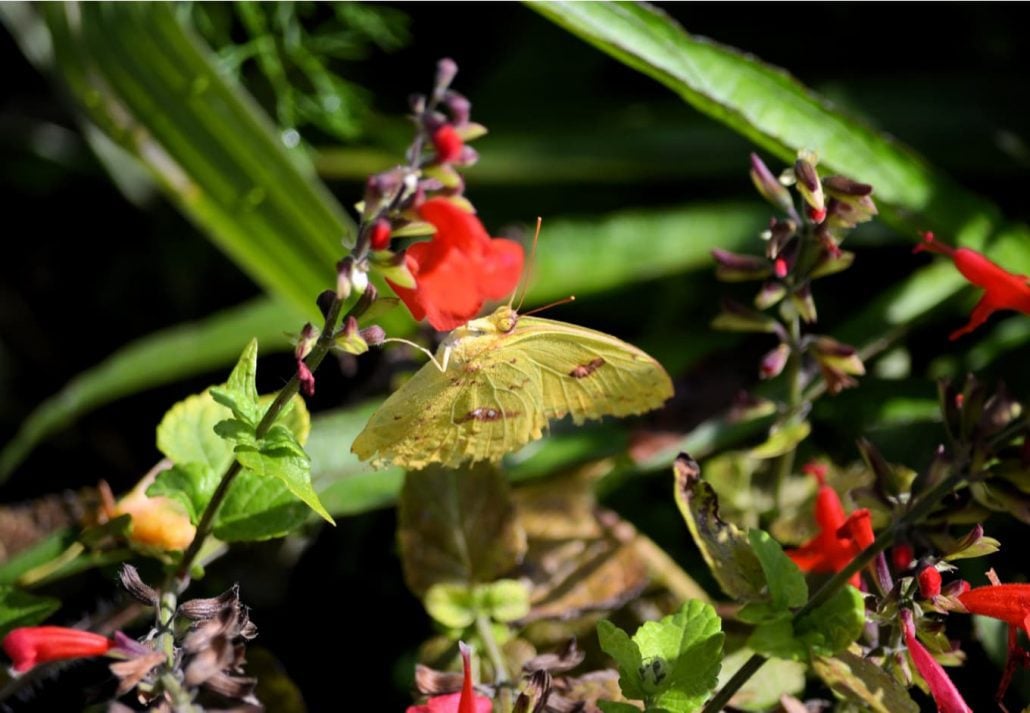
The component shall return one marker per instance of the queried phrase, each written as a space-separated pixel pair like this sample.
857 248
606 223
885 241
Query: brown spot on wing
587 369
486 414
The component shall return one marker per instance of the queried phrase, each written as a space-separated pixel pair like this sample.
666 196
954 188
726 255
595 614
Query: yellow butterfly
497 381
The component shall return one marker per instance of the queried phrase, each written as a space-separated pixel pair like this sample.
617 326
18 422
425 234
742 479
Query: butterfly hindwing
501 388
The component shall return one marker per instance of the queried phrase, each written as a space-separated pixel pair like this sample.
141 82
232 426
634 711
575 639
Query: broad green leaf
505 600
762 691
285 465
186 434
772 109
457 526
787 587
672 664
19 608
161 358
864 683
823 632
258 508
617 707
725 548
192 484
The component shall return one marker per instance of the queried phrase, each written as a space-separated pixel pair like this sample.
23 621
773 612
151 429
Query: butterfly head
502 321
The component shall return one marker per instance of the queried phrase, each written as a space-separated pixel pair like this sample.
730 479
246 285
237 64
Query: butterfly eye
507 323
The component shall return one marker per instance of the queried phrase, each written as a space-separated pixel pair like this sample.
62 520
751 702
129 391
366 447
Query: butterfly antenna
570 298
441 367
529 268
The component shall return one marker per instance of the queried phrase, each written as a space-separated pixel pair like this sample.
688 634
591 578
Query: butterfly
495 384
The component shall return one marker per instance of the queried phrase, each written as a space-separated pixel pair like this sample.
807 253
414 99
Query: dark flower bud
446 70
810 187
769 187
734 267
459 107
773 362
374 335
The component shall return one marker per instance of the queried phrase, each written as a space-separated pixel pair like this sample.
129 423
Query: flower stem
501 675
920 509
795 395
206 524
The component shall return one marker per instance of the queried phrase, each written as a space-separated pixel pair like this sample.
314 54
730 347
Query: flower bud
733 267
837 362
374 335
804 303
446 70
771 293
770 188
459 107
448 144
305 341
850 202
902 556
349 339
929 582
306 378
773 362
344 286
735 317
380 235
810 187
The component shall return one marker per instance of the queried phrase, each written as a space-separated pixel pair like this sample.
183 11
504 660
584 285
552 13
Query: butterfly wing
588 374
500 390
477 410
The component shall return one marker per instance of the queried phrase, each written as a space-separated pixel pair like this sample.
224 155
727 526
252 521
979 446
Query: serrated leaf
787 587
457 526
295 416
725 548
452 605
863 682
258 508
186 433
293 470
782 440
19 608
762 691
239 393
191 484
237 431
671 664
824 631
775 637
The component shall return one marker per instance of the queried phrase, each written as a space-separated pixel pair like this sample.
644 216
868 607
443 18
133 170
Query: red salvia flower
459 269
929 582
448 144
840 538
380 236
1004 289
28 646
1011 604
943 690
467 701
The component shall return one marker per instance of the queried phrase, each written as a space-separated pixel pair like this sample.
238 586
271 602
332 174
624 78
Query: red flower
467 701
459 269
31 645
1004 290
448 144
929 582
840 538
1011 604
943 690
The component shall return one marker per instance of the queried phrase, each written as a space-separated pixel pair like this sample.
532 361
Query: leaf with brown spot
724 546
457 526
864 682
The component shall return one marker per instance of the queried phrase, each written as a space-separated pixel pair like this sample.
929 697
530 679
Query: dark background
84 271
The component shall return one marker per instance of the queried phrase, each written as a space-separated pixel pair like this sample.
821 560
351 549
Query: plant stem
501 675
206 524
915 513
795 394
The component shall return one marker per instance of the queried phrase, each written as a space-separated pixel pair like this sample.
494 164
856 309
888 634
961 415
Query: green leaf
186 434
239 394
19 608
192 484
762 691
671 664
617 707
258 508
782 440
285 465
772 109
505 600
457 526
451 605
822 632
725 548
47 550
864 682
160 358
787 587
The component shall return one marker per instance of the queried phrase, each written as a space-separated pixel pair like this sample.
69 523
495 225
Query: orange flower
459 269
156 521
840 538
1004 289
28 646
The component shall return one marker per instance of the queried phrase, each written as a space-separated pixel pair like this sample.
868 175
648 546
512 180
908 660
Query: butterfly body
504 378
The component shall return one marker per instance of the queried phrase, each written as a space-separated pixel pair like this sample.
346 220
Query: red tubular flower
467 701
929 582
459 269
840 538
1011 604
448 144
380 237
28 646
943 690
1004 289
